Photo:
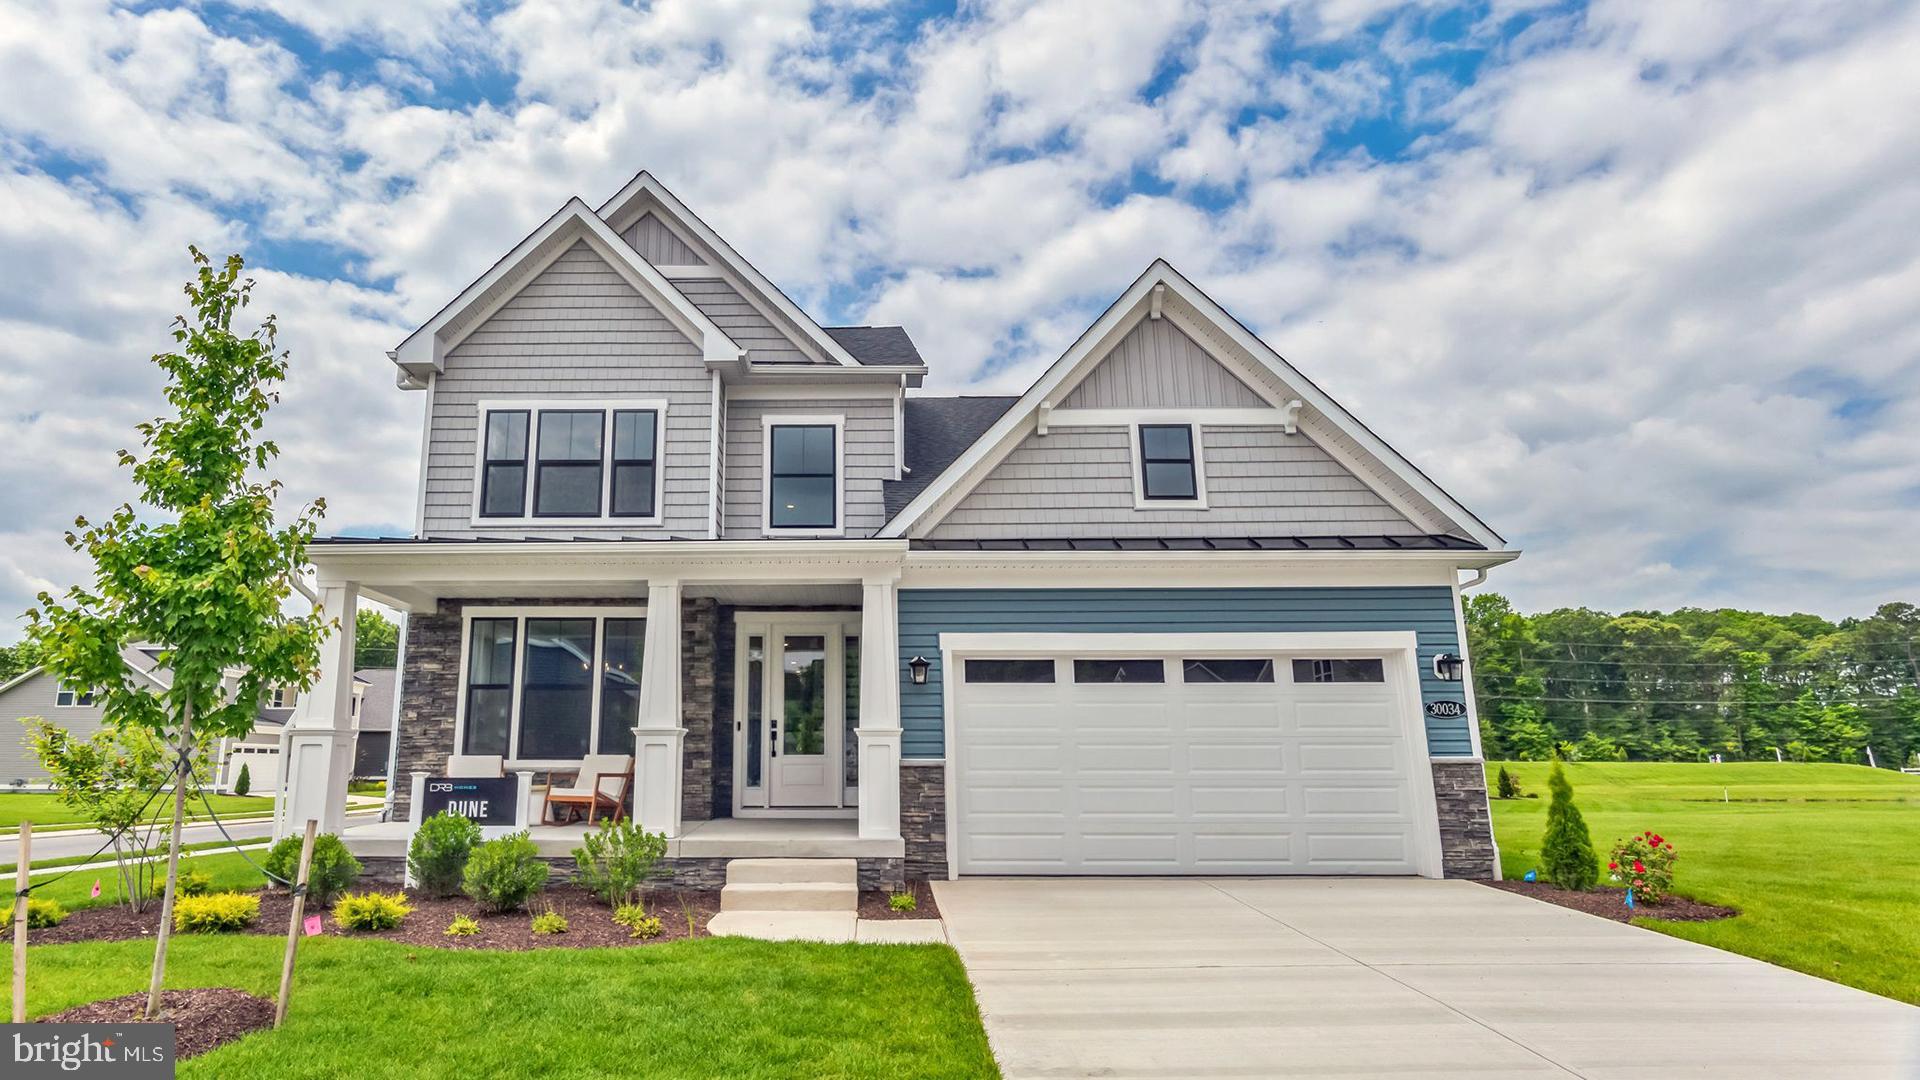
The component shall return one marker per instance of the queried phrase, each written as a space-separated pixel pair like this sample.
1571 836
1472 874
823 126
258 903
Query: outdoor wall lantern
1448 668
918 667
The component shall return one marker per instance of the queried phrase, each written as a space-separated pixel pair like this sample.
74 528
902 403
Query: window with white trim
280 697
1168 464
803 470
569 461
66 697
532 694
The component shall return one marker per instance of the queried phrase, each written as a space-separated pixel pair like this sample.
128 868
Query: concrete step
784 871
785 925
790 896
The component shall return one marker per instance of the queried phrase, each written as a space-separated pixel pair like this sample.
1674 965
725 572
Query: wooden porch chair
601 785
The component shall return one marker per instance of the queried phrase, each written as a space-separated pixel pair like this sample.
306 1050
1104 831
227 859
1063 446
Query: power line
1666 701
1799 665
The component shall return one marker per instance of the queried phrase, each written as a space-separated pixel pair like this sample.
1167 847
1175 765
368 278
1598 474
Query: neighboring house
373 719
1172 610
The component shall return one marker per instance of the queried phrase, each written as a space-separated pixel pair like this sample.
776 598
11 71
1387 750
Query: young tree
1566 852
209 574
376 641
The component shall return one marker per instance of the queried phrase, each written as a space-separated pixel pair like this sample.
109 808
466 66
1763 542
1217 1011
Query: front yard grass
1823 861
44 808
708 1007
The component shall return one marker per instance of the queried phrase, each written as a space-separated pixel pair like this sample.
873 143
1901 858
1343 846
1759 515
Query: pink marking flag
311 925
96 889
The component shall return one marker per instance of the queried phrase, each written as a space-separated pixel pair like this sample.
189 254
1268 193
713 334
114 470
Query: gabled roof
877 346
936 431
424 351
376 705
1150 292
645 192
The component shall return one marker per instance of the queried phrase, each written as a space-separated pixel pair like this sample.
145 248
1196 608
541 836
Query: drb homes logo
130 1052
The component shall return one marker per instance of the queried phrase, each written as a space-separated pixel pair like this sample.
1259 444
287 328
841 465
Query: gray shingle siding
34 697
868 458
1157 366
765 343
1078 482
577 330
658 245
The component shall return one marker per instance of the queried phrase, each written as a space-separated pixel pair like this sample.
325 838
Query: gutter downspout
1479 578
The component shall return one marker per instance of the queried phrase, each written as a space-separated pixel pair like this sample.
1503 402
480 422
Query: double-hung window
552 684
803 459
66 697
1169 467
570 461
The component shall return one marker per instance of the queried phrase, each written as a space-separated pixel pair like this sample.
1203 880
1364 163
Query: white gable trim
621 212
424 351
926 510
40 669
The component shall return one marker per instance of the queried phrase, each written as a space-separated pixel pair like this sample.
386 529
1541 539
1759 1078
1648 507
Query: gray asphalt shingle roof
938 430
877 346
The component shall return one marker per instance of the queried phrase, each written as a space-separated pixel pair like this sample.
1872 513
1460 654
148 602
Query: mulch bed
1611 903
202 1018
873 903
590 923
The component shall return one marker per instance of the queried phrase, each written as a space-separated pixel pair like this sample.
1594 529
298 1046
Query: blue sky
1623 277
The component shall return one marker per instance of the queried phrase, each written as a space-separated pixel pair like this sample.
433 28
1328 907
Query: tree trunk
182 776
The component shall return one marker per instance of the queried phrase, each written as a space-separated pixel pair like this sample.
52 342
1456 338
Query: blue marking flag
1629 897
1532 875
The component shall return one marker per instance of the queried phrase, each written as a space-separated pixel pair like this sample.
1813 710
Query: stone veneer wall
430 694
923 819
1466 825
724 651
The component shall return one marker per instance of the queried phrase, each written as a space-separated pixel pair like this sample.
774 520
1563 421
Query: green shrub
1644 864
333 870
41 914
1507 785
371 911
502 874
1566 852
635 918
616 858
244 782
438 855
462 926
217 913
549 922
903 901
195 883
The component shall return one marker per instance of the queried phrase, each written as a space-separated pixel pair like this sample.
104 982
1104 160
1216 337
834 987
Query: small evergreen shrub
333 871
41 914
1566 851
437 857
502 874
371 910
903 901
1507 785
218 913
462 926
1644 863
635 918
616 858
244 782
549 922
195 883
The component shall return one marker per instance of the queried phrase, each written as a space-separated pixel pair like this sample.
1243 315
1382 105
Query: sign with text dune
483 800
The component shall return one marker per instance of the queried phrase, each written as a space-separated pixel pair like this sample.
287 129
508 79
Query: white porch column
316 746
879 730
659 739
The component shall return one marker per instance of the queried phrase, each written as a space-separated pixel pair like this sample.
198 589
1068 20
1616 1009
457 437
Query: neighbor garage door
1188 764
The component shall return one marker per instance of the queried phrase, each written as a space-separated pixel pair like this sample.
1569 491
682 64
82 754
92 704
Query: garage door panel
1170 778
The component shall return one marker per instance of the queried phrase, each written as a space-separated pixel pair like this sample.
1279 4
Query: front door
800 720
792 710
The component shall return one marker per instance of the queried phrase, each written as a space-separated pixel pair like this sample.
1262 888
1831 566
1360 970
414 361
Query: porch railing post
659 739
879 730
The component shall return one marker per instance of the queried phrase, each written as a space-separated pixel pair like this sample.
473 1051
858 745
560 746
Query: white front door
791 710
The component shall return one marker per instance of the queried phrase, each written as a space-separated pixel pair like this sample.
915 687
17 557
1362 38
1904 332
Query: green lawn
43 808
1822 860
713 1007
229 871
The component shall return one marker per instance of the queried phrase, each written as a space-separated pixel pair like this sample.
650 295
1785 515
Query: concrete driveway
1389 977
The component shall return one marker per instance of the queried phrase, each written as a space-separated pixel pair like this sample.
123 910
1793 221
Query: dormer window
569 462
804 475
1168 466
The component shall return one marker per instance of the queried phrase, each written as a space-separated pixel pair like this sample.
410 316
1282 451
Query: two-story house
1172 610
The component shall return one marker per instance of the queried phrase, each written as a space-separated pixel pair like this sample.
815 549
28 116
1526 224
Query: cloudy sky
1638 282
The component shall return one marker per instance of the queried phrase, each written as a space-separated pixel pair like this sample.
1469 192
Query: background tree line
1678 686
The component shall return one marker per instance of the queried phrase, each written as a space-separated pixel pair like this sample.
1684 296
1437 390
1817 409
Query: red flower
1637 883
1613 866
1637 868
1658 840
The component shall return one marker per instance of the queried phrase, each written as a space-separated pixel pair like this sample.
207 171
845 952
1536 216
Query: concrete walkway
1387 977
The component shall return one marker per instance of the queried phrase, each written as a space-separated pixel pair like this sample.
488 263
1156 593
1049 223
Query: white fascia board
646 185
424 351
40 668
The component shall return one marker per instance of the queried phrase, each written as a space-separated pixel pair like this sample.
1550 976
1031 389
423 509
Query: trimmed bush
437 857
41 914
244 782
549 922
1506 785
462 926
616 858
1566 851
1644 863
635 918
195 883
333 871
371 911
903 901
219 913
503 874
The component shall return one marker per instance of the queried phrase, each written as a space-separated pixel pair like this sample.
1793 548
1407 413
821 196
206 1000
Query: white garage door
1189 764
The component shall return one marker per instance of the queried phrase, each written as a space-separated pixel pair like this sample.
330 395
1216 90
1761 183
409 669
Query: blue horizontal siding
925 614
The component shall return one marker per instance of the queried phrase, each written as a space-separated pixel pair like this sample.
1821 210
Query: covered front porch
754 692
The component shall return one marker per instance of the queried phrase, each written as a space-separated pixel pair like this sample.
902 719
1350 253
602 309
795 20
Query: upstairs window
1167 471
803 483
562 461
66 697
282 697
